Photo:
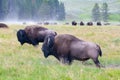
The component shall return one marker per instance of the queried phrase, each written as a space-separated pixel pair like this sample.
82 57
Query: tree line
100 14
32 9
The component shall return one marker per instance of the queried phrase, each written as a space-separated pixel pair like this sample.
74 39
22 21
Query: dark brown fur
99 24
81 23
90 23
32 31
74 23
2 25
33 34
67 48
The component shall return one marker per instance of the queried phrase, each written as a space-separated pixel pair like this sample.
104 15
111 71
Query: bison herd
64 47
74 23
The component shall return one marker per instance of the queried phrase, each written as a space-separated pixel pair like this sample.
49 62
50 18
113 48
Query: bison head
22 37
47 46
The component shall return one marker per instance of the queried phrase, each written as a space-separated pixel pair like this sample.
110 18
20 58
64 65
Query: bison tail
99 50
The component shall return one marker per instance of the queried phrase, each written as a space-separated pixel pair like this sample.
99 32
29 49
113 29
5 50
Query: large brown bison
67 48
33 34
2 25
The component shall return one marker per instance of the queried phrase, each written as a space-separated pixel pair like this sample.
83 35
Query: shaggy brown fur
67 48
90 23
33 34
81 23
74 23
33 30
2 25
98 23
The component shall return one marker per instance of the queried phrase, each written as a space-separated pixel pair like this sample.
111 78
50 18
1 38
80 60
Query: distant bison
33 34
67 48
89 23
74 23
2 25
24 23
106 23
46 23
99 23
67 23
81 23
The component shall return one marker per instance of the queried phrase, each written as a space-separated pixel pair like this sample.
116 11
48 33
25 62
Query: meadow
28 63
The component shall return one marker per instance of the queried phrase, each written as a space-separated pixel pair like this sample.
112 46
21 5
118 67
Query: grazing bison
33 34
2 25
106 23
89 23
74 23
46 23
24 23
81 23
67 48
67 23
99 23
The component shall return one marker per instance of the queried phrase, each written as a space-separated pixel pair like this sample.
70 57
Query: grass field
28 63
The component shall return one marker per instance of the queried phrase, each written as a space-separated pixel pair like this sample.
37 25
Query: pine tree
3 9
32 9
61 11
96 12
44 11
105 12
12 9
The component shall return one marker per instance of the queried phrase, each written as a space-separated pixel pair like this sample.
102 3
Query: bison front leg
65 60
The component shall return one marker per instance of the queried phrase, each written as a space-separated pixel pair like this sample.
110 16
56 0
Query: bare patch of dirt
112 66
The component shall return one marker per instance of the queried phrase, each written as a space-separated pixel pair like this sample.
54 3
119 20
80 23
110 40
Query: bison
98 23
33 34
46 23
74 23
2 25
89 23
81 23
67 48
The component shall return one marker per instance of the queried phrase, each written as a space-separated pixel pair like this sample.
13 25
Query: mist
16 11
31 11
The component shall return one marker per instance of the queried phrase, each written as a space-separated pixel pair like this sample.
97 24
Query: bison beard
67 48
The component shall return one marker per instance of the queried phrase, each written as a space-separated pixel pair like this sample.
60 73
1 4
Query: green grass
114 17
82 9
28 63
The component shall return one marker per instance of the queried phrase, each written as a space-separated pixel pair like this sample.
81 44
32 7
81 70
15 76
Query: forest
31 10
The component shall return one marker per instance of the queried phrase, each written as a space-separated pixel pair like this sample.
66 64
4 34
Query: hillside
81 9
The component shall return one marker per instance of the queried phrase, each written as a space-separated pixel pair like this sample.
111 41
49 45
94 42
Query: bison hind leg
97 63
